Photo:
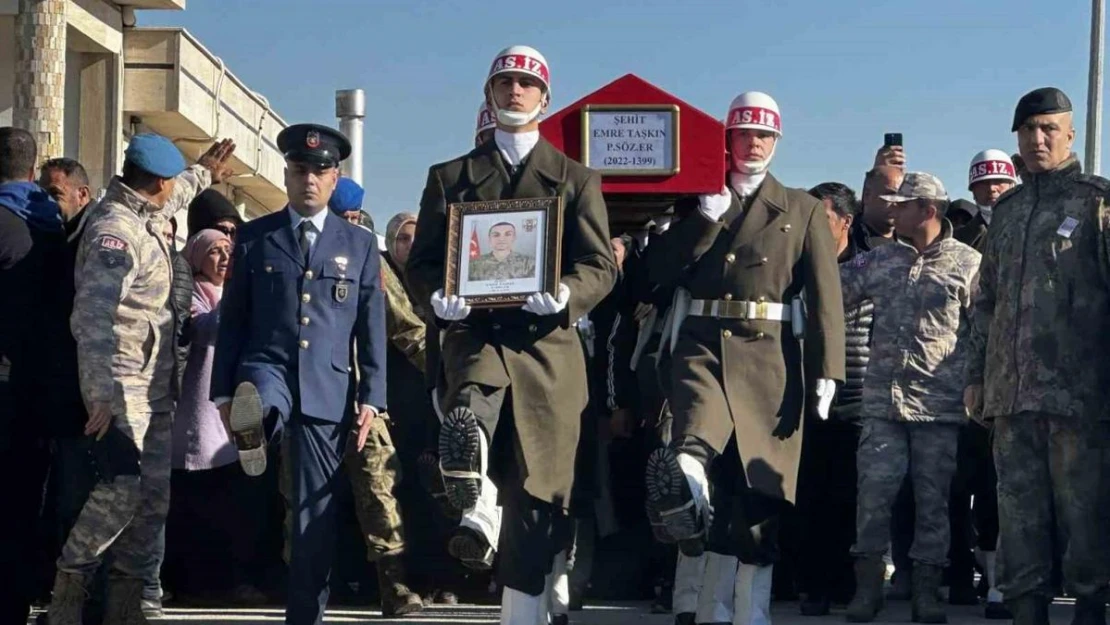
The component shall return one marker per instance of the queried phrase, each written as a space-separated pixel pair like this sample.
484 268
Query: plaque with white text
630 139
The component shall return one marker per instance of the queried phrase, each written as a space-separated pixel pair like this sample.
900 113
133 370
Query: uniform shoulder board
1098 182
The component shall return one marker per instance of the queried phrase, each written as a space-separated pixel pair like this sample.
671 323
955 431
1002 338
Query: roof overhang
179 89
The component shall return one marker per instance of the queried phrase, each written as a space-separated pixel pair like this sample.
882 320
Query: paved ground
611 614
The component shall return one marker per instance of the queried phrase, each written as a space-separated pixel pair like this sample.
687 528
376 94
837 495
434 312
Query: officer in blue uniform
305 284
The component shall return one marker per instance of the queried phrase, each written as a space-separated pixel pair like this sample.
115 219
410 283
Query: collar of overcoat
768 205
545 171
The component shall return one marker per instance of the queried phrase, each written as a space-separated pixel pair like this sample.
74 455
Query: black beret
313 143
1043 101
208 208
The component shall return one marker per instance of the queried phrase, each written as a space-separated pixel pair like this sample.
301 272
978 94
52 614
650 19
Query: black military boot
462 445
1089 611
926 607
1029 610
68 599
865 606
125 602
397 599
672 506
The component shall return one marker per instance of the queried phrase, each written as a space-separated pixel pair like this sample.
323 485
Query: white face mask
515 119
756 167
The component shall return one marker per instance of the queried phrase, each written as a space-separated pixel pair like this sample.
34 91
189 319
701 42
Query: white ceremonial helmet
991 165
758 111
485 120
523 60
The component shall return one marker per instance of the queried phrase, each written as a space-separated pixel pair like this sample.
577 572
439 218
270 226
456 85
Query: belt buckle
760 310
715 309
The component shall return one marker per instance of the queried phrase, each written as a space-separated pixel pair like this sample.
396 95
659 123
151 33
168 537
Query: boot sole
670 504
246 429
470 548
403 609
460 453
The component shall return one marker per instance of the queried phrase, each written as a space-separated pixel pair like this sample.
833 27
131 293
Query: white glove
826 390
451 308
713 206
661 224
544 304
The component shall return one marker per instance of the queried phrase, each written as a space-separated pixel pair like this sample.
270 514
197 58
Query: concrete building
81 77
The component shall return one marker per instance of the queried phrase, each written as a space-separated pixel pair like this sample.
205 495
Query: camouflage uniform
375 472
124 330
912 404
515 266
1039 337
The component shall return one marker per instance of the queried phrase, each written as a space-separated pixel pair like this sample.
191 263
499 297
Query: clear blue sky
945 73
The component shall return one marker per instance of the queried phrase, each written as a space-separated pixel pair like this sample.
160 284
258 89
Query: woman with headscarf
211 539
399 235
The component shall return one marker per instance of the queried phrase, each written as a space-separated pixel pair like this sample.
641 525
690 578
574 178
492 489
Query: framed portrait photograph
502 251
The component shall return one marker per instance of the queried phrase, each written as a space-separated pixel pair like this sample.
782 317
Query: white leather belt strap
734 309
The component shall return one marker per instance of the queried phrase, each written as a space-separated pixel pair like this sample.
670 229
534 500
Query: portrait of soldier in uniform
502 262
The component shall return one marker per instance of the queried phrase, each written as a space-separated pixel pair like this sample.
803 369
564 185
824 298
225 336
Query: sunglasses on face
228 230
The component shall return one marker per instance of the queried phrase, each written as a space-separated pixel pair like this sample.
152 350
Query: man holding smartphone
875 225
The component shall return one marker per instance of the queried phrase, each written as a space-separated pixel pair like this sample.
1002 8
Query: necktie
306 247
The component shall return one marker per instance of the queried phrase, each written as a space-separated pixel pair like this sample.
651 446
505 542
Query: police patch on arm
112 251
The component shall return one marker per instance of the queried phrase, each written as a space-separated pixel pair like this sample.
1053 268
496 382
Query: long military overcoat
747 376
539 358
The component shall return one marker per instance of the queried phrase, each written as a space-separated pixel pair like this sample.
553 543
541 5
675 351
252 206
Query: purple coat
199 438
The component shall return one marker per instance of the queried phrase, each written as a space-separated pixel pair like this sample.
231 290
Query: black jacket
612 381
858 323
181 301
15 245
38 340
973 233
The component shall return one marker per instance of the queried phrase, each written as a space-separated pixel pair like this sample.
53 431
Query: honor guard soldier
757 271
991 174
123 323
306 284
1039 336
486 125
522 368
